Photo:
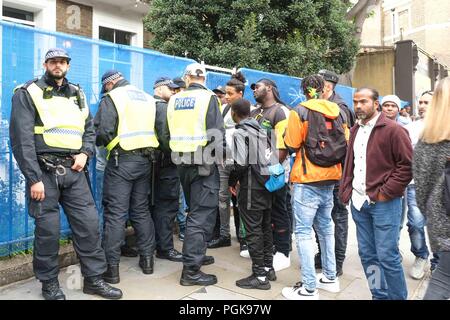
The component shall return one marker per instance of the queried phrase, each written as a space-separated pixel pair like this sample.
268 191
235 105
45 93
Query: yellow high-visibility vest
136 111
63 120
186 116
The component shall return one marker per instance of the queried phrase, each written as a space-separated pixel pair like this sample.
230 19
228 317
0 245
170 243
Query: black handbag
447 187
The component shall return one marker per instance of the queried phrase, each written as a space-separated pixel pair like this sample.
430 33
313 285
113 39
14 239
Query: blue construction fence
22 54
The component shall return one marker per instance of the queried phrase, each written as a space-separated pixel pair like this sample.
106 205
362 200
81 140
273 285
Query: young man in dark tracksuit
255 201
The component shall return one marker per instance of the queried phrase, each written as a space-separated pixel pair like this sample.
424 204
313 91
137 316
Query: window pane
18 14
123 37
106 34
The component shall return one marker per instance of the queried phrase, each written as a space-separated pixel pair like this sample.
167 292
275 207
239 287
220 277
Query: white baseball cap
392 98
195 69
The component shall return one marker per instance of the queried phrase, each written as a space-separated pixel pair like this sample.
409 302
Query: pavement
163 284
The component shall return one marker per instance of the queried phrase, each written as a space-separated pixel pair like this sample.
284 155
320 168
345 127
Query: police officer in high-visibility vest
52 137
197 138
164 204
125 125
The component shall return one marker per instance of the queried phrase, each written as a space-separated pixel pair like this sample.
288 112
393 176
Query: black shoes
252 282
96 285
146 264
127 251
271 275
112 274
172 255
207 260
51 290
196 278
219 242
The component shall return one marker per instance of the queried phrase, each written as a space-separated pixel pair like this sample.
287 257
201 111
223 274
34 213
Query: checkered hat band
162 83
53 54
111 78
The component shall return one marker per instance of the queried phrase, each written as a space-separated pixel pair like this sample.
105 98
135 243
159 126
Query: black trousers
340 219
73 193
202 198
126 189
259 236
166 206
281 221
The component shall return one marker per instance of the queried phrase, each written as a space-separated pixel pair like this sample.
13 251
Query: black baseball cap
265 81
219 89
329 76
179 82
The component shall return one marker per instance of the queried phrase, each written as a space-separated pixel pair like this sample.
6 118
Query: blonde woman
430 157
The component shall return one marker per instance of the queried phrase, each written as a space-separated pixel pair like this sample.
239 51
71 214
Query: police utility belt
55 163
118 153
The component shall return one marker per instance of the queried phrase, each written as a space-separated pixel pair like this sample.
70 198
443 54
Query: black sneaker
172 255
252 282
126 251
271 275
220 242
207 260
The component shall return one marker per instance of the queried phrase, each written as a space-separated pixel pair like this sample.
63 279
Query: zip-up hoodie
296 133
388 161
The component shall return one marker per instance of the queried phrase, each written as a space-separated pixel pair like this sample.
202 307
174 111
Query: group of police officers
152 143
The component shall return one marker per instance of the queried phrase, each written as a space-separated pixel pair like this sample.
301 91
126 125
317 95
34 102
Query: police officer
52 137
196 139
164 198
125 125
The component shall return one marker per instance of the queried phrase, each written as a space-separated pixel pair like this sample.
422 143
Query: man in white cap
390 106
197 141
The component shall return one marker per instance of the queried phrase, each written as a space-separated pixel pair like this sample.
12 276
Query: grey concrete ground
229 267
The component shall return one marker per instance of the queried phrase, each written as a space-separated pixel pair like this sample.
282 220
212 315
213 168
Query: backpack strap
225 110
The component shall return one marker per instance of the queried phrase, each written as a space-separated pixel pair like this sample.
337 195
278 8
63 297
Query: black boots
98 286
172 255
207 260
271 275
252 282
51 290
192 277
219 242
112 274
146 264
127 251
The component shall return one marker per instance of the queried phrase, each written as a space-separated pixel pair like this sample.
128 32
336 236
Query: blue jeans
313 205
416 223
377 231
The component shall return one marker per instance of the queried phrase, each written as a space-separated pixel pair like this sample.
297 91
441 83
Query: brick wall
73 18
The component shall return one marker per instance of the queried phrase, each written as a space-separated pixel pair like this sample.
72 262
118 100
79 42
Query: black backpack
325 143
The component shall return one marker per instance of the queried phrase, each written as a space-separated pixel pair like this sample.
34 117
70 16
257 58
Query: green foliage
291 37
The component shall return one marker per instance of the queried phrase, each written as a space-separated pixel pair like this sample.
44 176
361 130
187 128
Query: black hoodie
245 142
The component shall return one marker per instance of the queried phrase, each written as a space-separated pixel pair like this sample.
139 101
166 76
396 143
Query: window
115 36
18 16
403 21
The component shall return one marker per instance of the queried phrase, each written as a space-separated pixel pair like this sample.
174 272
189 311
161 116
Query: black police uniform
71 190
126 189
201 192
164 204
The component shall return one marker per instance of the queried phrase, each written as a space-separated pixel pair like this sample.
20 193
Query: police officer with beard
52 137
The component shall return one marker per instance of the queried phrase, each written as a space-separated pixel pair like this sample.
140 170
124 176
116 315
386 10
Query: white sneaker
299 292
280 261
244 254
326 284
417 270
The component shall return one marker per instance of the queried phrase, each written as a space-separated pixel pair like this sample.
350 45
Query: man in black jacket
255 201
164 204
52 137
340 212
